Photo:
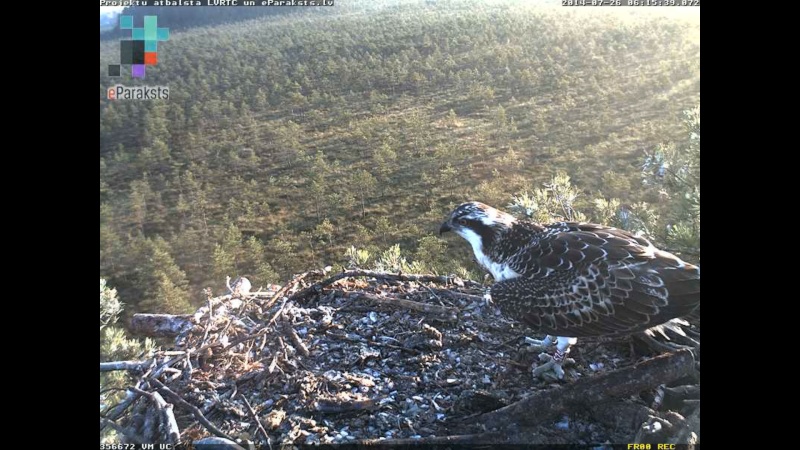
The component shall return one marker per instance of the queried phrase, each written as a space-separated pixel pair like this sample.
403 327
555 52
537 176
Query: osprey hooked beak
445 227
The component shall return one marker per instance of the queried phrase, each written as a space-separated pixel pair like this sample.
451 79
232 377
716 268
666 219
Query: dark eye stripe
486 232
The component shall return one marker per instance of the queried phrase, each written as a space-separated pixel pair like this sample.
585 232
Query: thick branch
127 432
171 430
253 414
462 439
543 405
117 411
317 287
443 311
282 291
162 415
160 325
289 331
165 416
193 409
215 442
689 430
125 365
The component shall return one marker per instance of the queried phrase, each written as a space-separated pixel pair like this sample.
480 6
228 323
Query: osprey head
477 222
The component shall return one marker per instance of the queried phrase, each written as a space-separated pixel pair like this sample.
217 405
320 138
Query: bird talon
487 298
539 345
549 371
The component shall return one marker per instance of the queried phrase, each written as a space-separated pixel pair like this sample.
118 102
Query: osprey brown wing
583 280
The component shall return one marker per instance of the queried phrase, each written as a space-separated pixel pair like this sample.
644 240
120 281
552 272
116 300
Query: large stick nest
403 358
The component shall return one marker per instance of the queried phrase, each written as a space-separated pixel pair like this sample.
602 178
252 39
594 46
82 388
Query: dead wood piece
683 392
161 368
676 397
282 291
208 408
621 415
443 311
335 405
477 401
254 416
688 431
265 328
691 404
152 418
120 408
456 295
254 334
543 405
317 287
215 442
289 331
117 411
125 365
127 432
483 439
193 409
171 431
161 325
161 416
240 340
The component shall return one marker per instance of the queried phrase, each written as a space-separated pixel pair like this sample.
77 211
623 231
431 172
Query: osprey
572 280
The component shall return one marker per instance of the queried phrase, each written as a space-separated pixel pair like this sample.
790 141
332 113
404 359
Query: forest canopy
309 139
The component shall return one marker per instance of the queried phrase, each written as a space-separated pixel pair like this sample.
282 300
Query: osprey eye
462 221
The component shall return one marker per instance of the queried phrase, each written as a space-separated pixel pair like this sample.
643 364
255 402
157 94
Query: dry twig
125 365
253 414
317 287
443 311
165 416
193 409
289 331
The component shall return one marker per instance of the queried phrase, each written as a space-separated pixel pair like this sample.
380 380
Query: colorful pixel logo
142 49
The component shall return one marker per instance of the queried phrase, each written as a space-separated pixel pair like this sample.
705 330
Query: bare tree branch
193 409
125 365
165 416
484 439
129 434
542 405
289 331
317 287
117 411
255 417
395 302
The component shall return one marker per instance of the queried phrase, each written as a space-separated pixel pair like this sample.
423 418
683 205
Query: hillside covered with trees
298 141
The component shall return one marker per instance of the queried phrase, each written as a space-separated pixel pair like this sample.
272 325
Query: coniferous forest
313 140
344 136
